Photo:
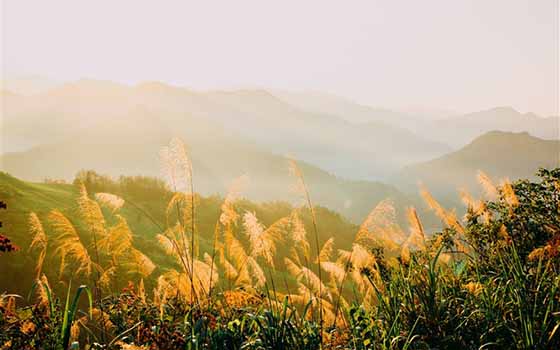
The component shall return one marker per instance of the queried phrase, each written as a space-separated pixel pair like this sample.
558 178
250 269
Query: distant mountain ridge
28 84
353 112
459 130
117 129
258 116
453 129
499 154
122 148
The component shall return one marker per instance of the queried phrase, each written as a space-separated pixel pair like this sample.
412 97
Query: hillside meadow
138 263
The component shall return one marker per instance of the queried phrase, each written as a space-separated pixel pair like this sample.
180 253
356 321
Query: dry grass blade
140 263
326 251
256 272
106 277
181 283
180 205
91 213
263 242
176 166
336 271
230 272
229 215
416 227
254 231
146 265
235 250
508 193
476 207
489 188
447 217
380 226
293 268
299 235
432 203
118 240
416 238
36 229
141 291
110 201
39 241
314 282
294 169
166 244
210 262
42 294
69 243
359 257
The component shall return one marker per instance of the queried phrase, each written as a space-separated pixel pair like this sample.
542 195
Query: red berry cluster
6 245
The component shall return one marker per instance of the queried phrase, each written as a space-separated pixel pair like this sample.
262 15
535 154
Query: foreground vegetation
489 280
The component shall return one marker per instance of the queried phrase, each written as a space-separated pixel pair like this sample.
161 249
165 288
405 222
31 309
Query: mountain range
128 144
459 130
499 154
454 129
352 155
360 151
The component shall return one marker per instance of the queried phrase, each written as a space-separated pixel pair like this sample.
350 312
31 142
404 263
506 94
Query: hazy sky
458 55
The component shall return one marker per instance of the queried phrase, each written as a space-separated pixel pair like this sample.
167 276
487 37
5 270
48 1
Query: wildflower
43 286
6 245
129 288
537 253
474 288
504 234
28 328
75 331
101 318
10 308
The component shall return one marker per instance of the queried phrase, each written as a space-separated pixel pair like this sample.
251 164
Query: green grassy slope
17 269
21 198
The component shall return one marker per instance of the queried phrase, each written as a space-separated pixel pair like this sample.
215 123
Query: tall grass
466 286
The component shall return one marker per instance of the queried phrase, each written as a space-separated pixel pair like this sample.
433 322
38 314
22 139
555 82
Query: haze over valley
353 155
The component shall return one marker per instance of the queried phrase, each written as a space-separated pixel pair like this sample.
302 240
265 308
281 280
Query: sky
430 54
